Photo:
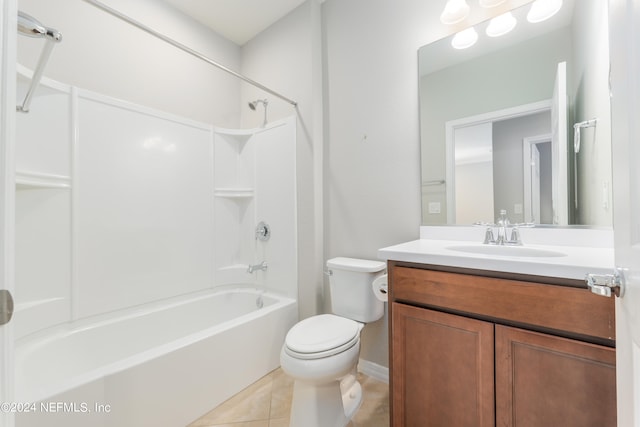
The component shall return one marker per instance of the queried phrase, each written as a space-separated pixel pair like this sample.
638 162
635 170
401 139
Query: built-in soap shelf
26 180
235 202
234 164
238 135
234 193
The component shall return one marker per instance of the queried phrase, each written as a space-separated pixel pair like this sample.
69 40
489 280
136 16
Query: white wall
473 179
142 210
474 192
372 169
104 54
372 166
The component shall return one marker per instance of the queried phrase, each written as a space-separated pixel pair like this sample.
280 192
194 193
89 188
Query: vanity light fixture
465 39
491 3
543 9
501 25
454 11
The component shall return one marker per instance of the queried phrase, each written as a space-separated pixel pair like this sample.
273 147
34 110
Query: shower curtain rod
186 49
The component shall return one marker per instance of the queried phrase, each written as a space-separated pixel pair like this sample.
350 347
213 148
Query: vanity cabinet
475 348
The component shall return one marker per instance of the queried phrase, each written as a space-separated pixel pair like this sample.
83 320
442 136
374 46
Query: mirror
497 122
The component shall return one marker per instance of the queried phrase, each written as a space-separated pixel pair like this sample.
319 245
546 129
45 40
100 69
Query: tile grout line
271 376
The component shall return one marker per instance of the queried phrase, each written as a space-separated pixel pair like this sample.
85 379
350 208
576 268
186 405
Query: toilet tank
352 294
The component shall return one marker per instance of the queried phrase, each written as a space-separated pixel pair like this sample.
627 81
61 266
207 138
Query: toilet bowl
321 352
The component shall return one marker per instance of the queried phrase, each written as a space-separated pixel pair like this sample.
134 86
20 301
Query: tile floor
267 403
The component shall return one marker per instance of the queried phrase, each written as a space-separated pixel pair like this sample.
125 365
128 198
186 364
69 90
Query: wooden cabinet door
442 369
543 381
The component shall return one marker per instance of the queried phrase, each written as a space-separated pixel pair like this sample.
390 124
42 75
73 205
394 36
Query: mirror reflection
497 122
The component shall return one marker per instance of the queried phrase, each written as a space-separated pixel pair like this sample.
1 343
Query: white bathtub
160 365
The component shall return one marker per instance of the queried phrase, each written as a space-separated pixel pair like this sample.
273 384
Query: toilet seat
321 336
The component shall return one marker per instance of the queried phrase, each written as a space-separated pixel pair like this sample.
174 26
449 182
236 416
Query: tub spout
262 266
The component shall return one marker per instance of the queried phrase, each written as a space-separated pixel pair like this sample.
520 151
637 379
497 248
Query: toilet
321 352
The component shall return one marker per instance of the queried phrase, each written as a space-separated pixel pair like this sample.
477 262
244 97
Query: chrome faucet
262 266
503 225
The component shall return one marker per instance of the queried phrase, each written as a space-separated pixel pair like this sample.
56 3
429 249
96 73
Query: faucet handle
515 236
488 236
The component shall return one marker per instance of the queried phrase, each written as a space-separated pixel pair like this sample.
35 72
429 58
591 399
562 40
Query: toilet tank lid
354 264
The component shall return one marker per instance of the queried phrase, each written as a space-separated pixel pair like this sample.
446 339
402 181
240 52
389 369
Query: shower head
254 104
30 26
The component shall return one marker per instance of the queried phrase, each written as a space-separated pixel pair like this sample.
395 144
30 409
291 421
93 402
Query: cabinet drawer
569 311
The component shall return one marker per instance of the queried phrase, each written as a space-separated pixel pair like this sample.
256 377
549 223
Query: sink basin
514 251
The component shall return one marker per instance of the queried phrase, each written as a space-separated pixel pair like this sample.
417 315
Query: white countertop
576 262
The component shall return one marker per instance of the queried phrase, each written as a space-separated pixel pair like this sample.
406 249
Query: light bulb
454 11
465 39
543 9
501 25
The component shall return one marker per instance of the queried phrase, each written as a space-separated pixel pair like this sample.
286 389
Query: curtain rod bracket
31 27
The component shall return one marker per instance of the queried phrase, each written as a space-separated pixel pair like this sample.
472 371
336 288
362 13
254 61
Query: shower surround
121 209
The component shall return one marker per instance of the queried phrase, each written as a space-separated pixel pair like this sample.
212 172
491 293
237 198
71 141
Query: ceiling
236 20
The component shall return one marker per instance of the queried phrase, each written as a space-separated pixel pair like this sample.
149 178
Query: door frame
492 116
624 85
527 147
8 36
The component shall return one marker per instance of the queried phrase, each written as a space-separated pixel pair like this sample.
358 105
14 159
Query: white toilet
321 352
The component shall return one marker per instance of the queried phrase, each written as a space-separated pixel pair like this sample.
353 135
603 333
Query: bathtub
164 364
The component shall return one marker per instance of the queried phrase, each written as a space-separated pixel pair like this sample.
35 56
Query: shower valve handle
263 231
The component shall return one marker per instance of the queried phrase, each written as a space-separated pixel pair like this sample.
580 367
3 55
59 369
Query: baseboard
379 372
